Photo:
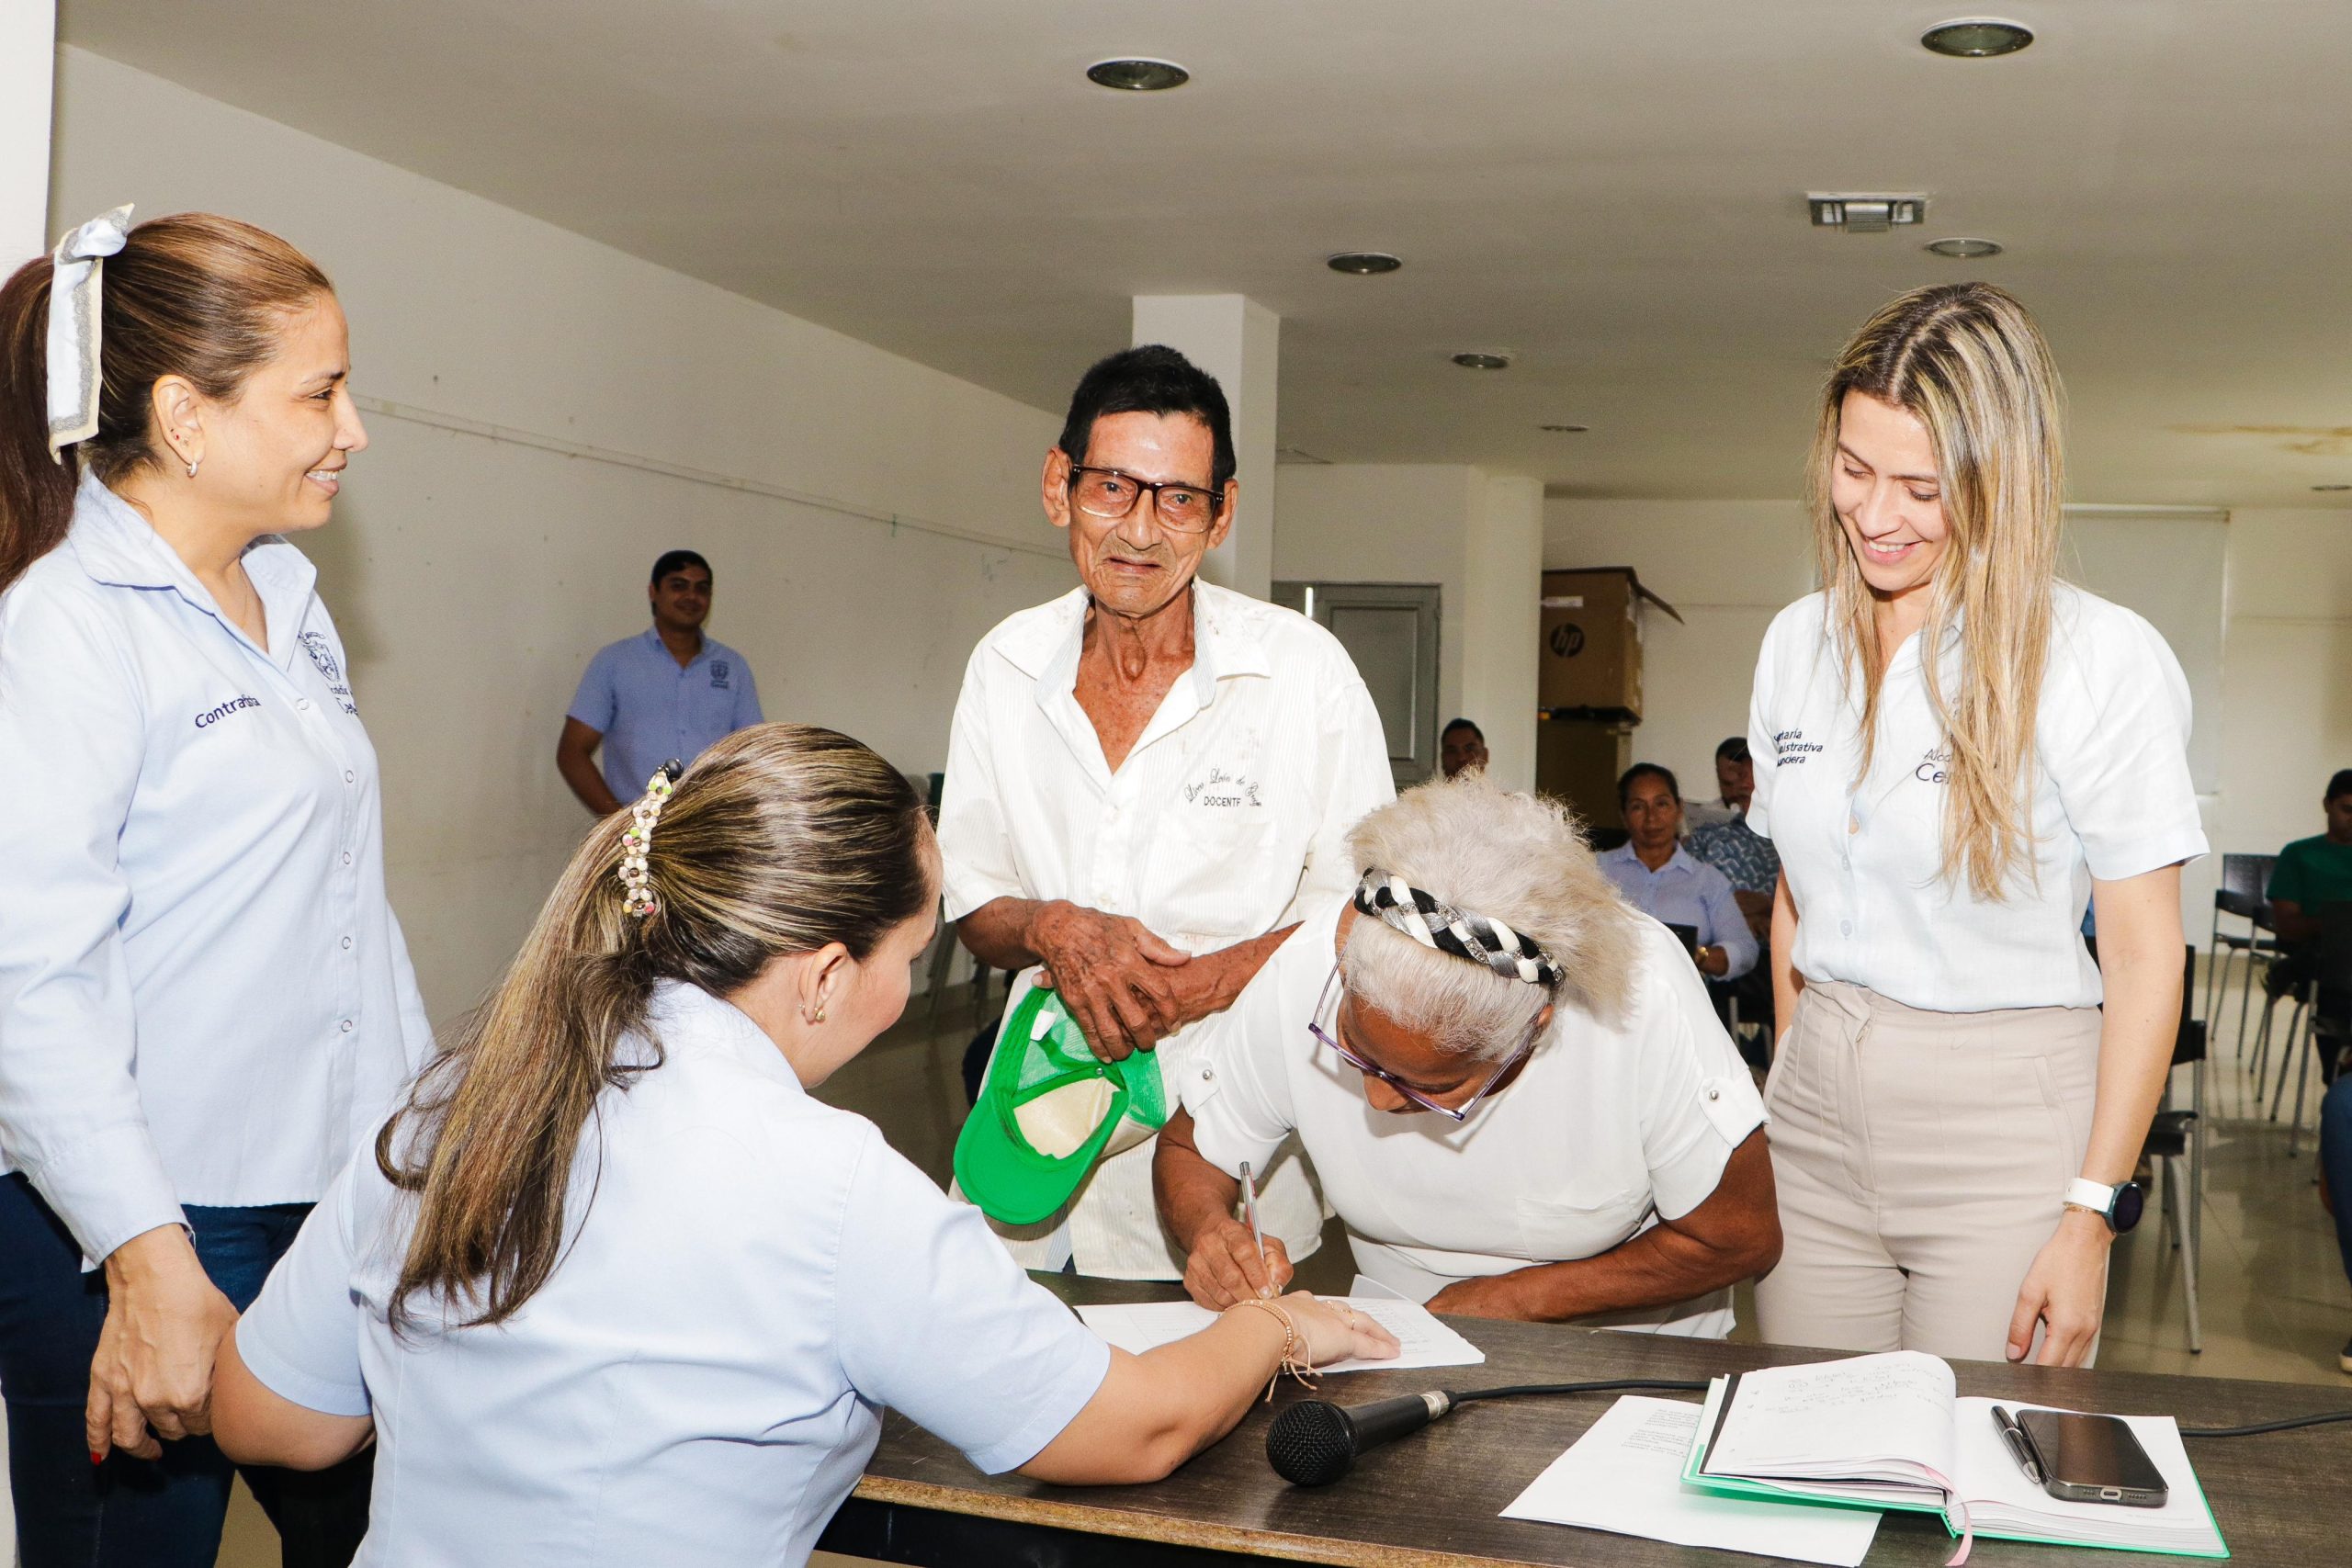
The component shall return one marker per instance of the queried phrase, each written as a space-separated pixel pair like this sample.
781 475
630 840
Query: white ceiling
1610 188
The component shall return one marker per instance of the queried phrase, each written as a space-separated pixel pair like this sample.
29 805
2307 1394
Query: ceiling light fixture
1565 429
1137 76
1866 212
2331 487
1966 250
1976 37
1481 361
1362 264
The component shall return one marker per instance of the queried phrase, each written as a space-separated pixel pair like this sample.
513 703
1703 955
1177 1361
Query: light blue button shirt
699 1383
650 710
204 995
1686 892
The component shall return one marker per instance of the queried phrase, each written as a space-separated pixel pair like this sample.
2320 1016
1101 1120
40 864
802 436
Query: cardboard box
1578 760
1589 664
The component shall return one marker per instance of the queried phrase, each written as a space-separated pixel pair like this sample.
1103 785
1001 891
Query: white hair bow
74 321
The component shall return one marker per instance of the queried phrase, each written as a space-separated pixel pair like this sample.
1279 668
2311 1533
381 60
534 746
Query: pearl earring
816 1017
191 467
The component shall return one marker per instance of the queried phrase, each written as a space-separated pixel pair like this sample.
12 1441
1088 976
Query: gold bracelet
1300 1367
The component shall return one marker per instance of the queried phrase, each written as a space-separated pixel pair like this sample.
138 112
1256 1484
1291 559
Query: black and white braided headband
1433 922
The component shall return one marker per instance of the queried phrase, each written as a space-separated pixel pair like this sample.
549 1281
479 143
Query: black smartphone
2092 1458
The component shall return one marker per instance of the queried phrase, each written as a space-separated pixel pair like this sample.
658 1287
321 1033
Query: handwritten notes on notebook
1625 1475
1422 1340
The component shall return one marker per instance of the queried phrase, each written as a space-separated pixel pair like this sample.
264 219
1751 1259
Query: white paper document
1422 1340
1625 1475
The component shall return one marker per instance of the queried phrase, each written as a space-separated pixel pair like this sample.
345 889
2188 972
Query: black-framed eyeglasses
1328 1007
1110 494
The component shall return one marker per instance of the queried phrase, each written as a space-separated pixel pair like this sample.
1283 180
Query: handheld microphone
1314 1442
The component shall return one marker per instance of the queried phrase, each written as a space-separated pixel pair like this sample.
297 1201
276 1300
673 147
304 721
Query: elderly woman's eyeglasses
1110 494
1328 1008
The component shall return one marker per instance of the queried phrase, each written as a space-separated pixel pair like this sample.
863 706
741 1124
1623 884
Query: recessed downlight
1563 429
1966 250
2331 487
1483 360
1137 76
1362 264
1976 37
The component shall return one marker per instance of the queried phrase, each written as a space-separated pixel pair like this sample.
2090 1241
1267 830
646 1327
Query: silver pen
1250 1211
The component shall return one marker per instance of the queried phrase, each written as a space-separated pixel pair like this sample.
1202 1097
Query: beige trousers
1922 1160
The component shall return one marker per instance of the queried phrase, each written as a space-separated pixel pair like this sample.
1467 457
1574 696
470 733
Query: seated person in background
1660 878
1461 745
1752 865
1512 1087
1734 781
2309 873
611 1287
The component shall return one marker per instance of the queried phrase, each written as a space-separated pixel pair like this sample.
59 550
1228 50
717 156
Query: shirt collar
117 547
685 1017
1223 643
652 638
1681 857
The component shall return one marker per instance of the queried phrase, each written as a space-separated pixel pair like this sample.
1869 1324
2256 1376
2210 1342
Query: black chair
2176 1138
2323 1001
2244 879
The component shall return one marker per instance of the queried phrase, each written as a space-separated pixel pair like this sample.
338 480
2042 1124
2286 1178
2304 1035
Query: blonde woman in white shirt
1955 754
612 1287
204 996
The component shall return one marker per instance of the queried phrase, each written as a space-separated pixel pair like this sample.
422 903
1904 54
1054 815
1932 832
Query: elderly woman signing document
1511 1084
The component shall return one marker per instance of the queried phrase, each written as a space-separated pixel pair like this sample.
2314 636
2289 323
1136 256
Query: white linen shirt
2111 799
1608 1127
204 995
750 1276
1227 816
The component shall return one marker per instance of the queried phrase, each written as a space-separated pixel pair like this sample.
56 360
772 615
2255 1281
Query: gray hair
1517 858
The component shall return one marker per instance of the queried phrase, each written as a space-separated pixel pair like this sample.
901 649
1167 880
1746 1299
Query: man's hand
1118 978
1486 1297
153 1375
1225 1267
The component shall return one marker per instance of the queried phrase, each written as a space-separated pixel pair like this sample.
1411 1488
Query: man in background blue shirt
1658 877
667 692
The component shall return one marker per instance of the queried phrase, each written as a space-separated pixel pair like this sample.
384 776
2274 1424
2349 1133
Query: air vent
1867 212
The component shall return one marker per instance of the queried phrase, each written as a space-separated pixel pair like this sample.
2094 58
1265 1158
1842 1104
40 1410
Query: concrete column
27 67
1238 341
1503 575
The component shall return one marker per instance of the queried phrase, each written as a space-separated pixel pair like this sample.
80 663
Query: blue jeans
2336 1160
132 1513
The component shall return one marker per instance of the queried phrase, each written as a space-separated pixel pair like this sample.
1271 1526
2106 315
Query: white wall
1476 536
2281 725
27 45
473 573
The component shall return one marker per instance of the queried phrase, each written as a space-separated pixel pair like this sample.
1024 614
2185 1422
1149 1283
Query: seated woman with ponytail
611 1287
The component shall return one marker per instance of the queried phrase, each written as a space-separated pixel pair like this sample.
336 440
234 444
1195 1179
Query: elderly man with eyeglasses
1147 779
1511 1084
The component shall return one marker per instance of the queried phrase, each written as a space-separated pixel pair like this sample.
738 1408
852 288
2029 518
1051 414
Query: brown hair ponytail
779 839
190 295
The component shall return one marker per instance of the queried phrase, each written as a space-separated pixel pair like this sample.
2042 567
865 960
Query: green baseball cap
1046 1108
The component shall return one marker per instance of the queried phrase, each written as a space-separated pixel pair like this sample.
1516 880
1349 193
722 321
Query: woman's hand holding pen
1225 1266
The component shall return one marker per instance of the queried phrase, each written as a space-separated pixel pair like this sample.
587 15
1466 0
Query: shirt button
302 703
346 857
1208 1074
1714 1094
347 1026
346 944
1845 928
349 777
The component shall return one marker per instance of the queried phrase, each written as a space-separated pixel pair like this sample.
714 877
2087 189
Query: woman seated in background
1664 880
1511 1086
611 1287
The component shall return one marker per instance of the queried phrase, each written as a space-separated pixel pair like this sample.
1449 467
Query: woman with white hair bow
1510 1084
204 996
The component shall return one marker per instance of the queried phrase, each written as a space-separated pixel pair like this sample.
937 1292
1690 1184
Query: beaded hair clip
637 839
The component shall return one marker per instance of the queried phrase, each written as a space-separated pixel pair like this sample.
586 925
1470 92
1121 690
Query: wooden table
1434 1499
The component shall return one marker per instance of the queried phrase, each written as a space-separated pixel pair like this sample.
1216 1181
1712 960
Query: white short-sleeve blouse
2111 799
701 1379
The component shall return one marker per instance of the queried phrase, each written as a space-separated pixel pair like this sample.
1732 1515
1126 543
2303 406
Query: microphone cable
1515 1390
2261 1426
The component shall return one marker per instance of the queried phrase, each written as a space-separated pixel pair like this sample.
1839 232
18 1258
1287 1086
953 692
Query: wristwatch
2119 1205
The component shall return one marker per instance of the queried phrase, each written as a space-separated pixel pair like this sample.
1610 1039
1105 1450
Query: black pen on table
1250 1211
2021 1446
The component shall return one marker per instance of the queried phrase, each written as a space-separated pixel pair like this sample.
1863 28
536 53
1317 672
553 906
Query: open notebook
1890 1431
